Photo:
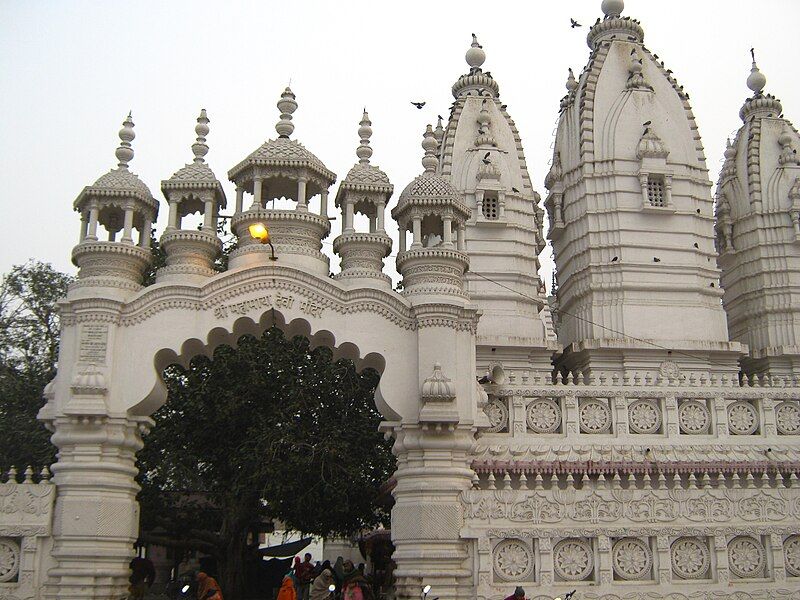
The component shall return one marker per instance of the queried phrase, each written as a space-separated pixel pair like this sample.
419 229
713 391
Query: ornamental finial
364 151
756 80
475 56
572 85
124 152
287 105
200 148
429 144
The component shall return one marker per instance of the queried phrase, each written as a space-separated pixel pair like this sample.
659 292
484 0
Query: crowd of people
321 581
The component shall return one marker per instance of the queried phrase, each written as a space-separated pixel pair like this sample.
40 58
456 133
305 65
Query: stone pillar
84 226
462 237
373 225
432 471
144 236
93 215
258 184
417 229
239 199
381 209
348 216
127 234
172 221
208 216
302 202
402 239
323 204
97 518
447 232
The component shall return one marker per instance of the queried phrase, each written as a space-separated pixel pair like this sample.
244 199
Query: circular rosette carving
513 560
746 557
595 416
693 417
787 418
9 560
690 558
791 554
742 418
544 416
644 416
497 411
632 558
573 559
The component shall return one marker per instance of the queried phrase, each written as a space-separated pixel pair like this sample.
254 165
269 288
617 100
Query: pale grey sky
70 71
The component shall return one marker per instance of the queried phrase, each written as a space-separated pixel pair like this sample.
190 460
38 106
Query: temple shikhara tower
635 435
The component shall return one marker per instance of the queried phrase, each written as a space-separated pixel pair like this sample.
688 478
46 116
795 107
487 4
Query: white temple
634 436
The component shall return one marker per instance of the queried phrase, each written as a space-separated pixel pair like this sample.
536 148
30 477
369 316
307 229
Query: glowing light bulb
259 231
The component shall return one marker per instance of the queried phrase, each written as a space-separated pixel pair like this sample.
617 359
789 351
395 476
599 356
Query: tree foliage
29 334
268 430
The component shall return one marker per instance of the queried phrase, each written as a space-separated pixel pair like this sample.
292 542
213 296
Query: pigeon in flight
418 104
573 23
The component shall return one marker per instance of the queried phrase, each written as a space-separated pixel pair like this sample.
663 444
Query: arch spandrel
171 324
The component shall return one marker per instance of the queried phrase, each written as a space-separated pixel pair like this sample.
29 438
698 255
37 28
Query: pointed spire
429 161
287 105
612 8
572 84
364 132
124 152
200 148
756 80
475 56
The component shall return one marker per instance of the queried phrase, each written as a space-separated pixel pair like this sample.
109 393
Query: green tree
268 430
29 334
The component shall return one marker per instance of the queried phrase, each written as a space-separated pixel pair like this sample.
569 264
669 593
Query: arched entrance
109 383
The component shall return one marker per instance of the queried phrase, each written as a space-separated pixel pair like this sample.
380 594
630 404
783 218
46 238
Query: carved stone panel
632 559
644 416
787 418
791 555
573 559
690 558
594 416
544 416
742 418
9 560
513 560
694 417
746 557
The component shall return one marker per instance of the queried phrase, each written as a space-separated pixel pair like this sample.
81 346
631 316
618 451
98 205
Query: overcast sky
70 71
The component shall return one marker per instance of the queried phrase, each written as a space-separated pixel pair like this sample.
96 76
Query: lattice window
491 208
656 193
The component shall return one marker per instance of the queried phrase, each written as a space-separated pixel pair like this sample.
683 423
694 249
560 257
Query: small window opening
491 208
655 191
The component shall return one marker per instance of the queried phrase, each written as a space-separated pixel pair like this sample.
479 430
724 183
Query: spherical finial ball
287 104
365 132
756 80
475 57
202 129
126 134
612 8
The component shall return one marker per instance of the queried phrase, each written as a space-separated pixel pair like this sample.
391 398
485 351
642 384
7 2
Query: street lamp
259 231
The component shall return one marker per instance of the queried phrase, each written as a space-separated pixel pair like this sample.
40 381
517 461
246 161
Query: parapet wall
26 518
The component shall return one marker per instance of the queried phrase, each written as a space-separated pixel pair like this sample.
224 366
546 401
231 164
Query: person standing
304 572
320 588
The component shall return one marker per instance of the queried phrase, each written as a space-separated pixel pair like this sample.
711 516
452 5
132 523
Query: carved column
604 567
720 548
97 516
546 557
664 575
775 546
